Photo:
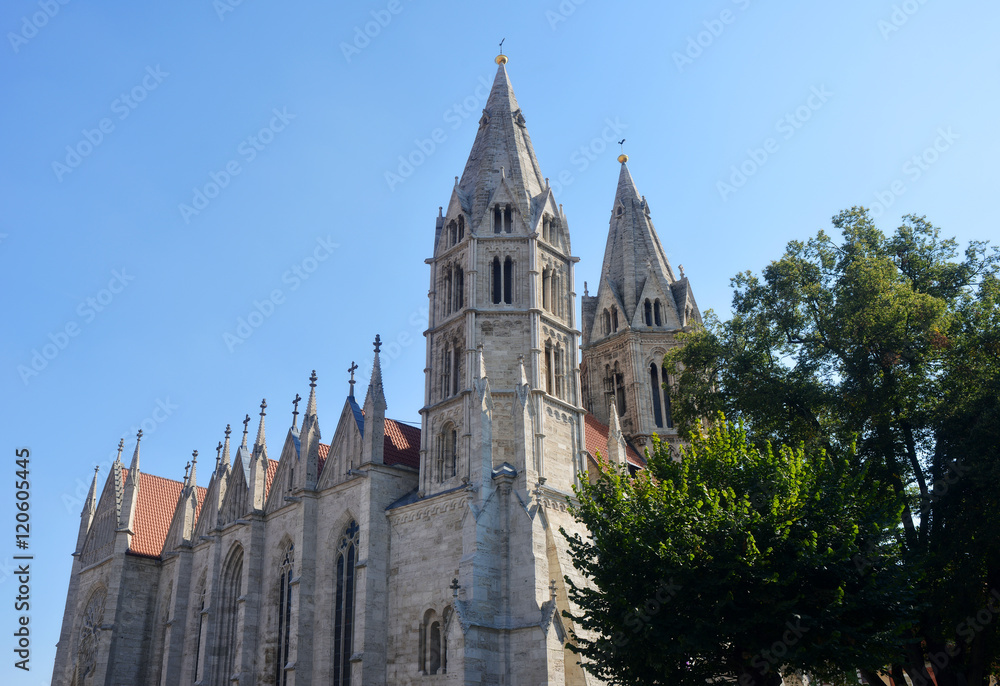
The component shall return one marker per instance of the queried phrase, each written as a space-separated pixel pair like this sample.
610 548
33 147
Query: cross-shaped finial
263 406
378 343
218 451
138 436
121 446
353 368
312 379
454 588
194 456
228 431
187 468
295 406
246 421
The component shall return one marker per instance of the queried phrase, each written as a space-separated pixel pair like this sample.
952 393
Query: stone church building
389 554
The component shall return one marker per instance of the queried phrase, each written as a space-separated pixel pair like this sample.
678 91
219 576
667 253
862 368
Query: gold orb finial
501 59
623 158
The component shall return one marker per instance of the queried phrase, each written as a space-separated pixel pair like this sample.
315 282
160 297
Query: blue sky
333 131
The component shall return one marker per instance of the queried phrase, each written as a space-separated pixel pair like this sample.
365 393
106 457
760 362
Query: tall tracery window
446 371
614 318
448 294
284 615
343 615
232 591
447 460
497 219
656 312
606 319
654 381
90 634
199 658
459 286
546 285
452 232
461 227
618 383
666 399
502 280
648 312
456 370
508 219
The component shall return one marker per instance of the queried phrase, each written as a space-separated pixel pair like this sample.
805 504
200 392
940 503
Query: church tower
633 321
501 281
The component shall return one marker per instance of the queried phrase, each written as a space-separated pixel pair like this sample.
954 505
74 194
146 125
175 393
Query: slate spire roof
502 142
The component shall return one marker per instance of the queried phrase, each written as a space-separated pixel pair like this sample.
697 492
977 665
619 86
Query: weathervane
623 158
501 44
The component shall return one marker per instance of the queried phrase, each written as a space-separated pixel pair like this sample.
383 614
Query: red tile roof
402 444
324 450
272 469
596 438
154 511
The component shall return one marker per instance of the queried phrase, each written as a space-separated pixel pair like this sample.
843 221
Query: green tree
734 562
890 343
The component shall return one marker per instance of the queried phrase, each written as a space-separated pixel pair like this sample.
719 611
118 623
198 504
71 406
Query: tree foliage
890 343
735 562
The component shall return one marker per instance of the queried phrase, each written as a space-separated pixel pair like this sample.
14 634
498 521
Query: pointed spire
121 446
311 404
133 468
260 427
480 363
616 442
187 471
193 479
91 503
502 141
375 390
522 377
373 447
225 448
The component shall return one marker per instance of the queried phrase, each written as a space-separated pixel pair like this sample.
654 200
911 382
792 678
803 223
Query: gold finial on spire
501 58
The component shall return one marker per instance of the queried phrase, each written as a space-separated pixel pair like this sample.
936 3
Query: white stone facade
391 555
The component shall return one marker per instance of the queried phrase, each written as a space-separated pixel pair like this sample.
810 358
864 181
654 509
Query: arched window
435 651
607 321
461 227
456 368
666 399
656 313
90 634
446 371
447 292
497 280
614 318
232 591
557 360
199 658
508 219
619 390
508 281
447 462
284 616
550 385
459 288
546 283
545 228
648 311
497 219
452 232
343 613
654 382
